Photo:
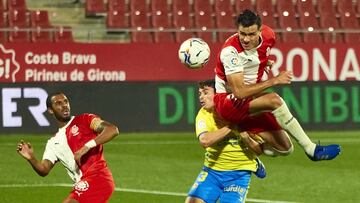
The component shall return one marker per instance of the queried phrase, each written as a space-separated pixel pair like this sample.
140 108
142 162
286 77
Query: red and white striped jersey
70 139
233 59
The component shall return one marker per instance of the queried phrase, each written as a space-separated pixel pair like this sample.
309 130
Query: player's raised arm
40 167
106 132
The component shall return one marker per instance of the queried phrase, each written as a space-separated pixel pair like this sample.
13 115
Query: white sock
289 123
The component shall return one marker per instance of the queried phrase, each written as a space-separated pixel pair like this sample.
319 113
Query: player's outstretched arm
40 167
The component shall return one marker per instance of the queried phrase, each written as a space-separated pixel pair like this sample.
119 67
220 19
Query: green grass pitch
161 167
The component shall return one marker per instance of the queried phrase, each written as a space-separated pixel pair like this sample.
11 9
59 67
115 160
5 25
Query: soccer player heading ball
240 96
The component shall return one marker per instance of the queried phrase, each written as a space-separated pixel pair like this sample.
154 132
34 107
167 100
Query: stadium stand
151 20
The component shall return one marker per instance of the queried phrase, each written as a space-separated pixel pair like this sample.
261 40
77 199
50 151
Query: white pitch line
155 192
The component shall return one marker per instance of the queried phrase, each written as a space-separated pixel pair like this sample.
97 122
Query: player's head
249 29
206 94
58 105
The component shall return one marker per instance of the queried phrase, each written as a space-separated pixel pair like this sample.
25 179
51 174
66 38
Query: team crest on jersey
81 186
234 61
74 130
201 124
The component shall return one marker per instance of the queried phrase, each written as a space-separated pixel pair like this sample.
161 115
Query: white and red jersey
233 59
70 139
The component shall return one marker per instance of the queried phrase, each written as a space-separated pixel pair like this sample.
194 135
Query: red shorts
236 111
96 188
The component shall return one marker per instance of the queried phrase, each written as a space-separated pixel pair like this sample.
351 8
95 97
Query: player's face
61 107
249 36
206 98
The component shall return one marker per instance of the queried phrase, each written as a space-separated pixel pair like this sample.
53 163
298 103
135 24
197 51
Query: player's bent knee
275 100
285 152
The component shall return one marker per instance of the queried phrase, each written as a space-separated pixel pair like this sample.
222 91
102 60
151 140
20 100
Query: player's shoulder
232 41
267 33
203 114
86 116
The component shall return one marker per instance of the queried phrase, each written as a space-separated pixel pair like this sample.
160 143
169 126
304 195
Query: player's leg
205 188
235 187
277 143
288 122
96 188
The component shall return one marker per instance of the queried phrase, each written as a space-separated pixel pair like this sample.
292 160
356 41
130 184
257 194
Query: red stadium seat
286 21
63 34
223 6
18 35
291 37
305 7
2 25
270 21
349 22
330 23
139 6
161 21
345 6
16 5
18 18
311 24
181 5
39 18
159 5
326 7
265 8
118 5
141 37
241 5
41 35
204 22
95 7
203 6
116 19
225 21
2 8
183 22
285 6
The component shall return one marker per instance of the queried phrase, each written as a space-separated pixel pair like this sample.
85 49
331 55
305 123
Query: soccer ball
194 53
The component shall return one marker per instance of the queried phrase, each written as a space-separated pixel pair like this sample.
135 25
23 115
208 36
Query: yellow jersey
228 154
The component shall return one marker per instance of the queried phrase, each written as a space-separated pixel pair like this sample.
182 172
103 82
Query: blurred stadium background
118 58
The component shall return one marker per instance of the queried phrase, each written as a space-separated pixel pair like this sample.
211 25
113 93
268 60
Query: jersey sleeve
91 120
202 124
231 60
49 153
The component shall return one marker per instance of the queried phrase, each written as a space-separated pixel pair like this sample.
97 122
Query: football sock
289 123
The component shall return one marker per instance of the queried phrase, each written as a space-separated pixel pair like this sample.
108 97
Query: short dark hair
207 83
48 99
248 18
